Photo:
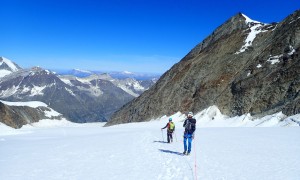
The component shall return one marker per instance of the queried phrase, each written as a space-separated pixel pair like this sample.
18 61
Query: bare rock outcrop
244 66
17 116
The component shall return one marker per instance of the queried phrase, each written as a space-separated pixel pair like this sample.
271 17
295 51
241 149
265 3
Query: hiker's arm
184 123
165 127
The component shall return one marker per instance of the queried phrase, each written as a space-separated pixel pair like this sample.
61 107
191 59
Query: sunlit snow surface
64 150
4 72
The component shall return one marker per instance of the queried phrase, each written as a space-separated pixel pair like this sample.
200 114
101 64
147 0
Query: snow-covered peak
255 28
129 85
39 71
127 72
92 77
36 68
7 67
9 63
83 71
249 21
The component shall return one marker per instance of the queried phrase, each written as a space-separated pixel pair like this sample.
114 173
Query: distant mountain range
91 98
113 74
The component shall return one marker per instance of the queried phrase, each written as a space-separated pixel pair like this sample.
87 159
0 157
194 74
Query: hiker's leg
184 143
189 143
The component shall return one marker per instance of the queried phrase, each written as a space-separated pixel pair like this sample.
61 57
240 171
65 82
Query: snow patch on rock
255 28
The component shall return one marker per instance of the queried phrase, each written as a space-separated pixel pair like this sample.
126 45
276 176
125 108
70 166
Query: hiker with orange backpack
170 129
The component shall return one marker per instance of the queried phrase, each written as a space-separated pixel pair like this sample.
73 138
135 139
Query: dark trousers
170 137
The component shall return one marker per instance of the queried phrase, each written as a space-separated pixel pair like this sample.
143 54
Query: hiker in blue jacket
190 127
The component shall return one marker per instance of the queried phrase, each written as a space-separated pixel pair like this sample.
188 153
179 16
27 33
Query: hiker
190 127
171 128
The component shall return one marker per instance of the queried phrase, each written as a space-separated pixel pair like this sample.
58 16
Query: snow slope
65 150
4 72
9 63
12 67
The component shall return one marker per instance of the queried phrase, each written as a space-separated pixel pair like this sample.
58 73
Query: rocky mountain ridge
18 114
89 99
244 66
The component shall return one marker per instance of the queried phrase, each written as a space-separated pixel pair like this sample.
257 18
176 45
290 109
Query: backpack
171 126
190 126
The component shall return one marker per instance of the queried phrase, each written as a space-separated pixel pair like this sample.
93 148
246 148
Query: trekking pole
175 135
162 135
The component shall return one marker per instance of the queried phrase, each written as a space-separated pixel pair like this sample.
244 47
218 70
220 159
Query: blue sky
132 35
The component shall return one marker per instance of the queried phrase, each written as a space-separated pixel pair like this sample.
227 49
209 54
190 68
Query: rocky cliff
18 115
244 66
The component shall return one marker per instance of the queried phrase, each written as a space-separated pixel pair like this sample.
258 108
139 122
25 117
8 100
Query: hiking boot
184 152
188 153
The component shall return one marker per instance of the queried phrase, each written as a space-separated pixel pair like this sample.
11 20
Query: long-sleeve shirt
168 126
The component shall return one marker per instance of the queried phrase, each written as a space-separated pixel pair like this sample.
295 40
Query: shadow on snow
160 142
171 152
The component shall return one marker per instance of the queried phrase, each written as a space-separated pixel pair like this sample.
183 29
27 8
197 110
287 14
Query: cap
170 119
190 114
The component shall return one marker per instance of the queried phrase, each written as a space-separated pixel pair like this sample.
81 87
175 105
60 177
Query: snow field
4 72
137 151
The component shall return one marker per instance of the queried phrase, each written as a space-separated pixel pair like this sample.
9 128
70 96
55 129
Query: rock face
17 116
244 66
